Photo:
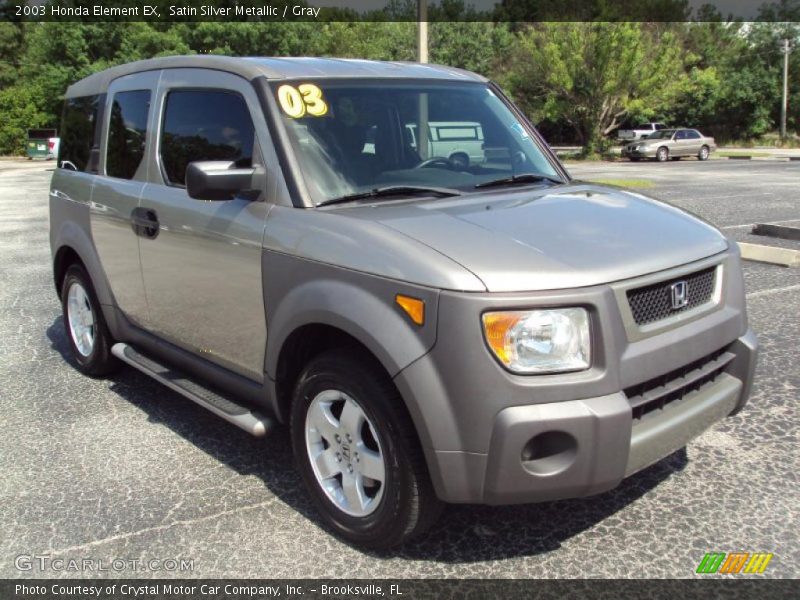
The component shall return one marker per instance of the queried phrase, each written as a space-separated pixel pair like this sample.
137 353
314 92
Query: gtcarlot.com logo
45 562
735 562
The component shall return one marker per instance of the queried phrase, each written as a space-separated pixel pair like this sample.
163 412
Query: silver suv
430 330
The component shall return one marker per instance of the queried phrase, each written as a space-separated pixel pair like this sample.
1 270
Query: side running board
252 422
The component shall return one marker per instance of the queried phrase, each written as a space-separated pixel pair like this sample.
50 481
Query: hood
570 236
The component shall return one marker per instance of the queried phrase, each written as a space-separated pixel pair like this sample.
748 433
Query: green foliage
593 75
474 46
377 41
12 44
20 110
578 80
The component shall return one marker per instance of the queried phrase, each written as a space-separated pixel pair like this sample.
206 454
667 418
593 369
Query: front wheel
662 155
358 453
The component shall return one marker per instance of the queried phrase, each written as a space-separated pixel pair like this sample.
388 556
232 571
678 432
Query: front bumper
588 446
646 153
496 438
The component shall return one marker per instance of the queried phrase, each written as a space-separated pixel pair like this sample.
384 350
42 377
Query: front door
201 263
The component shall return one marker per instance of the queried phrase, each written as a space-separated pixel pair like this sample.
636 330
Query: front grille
654 302
658 392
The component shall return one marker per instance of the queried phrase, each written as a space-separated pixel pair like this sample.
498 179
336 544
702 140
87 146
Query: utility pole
785 103
422 31
422 56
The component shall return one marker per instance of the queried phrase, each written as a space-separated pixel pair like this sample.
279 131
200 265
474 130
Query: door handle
145 222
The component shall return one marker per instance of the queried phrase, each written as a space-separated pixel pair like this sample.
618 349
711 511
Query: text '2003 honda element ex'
267 238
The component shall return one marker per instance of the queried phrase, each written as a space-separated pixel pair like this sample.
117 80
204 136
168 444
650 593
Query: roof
275 68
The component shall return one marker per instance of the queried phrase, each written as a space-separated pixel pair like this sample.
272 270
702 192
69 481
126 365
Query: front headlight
550 340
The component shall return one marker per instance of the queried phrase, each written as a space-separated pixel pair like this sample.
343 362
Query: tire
90 344
704 153
404 504
460 161
662 155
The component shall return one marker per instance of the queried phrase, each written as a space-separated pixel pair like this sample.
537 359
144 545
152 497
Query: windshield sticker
305 99
520 130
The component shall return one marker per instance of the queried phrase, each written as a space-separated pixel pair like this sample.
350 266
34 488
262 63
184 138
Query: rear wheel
704 153
460 161
89 339
358 454
663 154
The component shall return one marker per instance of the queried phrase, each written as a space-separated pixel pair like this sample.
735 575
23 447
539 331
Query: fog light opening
549 453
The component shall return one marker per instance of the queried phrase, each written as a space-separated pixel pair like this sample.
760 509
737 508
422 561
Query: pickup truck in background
639 132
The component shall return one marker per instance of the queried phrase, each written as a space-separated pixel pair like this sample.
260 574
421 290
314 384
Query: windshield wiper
522 178
393 190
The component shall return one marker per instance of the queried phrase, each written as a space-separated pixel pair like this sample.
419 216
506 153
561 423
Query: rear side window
692 135
127 133
78 132
204 125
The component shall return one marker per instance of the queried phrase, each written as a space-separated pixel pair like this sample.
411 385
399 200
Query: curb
761 158
783 257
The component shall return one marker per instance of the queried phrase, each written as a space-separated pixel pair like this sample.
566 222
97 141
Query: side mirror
217 180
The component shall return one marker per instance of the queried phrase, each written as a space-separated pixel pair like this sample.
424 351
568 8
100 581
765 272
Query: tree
469 45
12 44
373 40
593 75
20 111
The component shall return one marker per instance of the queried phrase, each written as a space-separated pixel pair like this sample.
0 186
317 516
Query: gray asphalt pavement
126 469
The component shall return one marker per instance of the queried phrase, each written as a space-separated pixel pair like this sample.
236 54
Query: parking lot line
771 291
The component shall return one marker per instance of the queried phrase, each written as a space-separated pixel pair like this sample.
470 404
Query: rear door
202 263
680 147
119 185
693 141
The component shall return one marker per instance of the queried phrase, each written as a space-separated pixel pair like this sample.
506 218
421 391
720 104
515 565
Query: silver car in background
671 144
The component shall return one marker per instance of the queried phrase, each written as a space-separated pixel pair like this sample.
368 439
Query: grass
628 183
771 140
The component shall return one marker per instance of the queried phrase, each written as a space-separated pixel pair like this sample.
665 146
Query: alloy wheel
345 453
81 319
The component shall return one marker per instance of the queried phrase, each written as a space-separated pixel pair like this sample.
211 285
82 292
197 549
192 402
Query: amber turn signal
497 325
414 307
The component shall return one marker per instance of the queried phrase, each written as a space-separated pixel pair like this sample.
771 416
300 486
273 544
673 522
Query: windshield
353 137
664 134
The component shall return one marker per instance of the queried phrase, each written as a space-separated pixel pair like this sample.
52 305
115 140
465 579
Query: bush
20 107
